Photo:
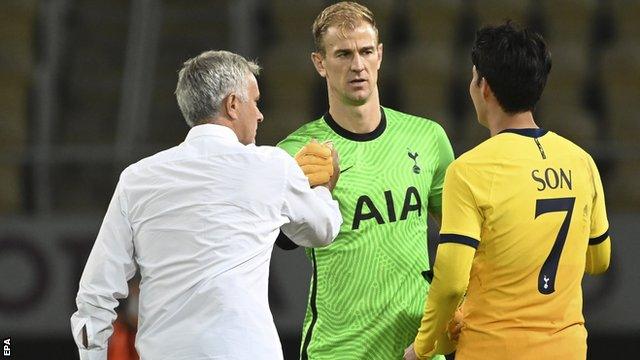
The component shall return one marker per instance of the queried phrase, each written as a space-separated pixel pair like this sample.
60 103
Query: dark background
86 88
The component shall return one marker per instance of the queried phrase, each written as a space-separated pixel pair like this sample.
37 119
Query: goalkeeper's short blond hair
345 15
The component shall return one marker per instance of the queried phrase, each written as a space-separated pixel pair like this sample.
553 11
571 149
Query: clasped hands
319 163
447 344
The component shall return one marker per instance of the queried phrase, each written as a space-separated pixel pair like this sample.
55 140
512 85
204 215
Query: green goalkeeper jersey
367 290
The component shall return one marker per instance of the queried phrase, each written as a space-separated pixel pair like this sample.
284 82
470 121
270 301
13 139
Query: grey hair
205 80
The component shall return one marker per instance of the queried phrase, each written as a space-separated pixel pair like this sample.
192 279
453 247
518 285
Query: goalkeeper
367 290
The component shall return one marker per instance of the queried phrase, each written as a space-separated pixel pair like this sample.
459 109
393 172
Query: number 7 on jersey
547 276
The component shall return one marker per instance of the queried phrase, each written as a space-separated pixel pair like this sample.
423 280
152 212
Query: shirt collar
532 132
215 130
356 136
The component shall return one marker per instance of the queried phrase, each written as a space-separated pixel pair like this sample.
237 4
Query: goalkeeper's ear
318 62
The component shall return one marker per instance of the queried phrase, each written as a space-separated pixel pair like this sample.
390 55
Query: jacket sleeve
104 281
314 217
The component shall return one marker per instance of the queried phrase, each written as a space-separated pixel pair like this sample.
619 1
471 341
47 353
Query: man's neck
502 121
361 119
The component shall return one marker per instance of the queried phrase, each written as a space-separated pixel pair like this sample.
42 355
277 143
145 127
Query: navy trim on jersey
599 239
314 309
459 239
355 136
532 133
540 148
428 275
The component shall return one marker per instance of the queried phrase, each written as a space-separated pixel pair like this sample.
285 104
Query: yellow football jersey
531 202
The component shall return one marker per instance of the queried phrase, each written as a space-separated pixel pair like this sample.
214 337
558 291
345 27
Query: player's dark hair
515 62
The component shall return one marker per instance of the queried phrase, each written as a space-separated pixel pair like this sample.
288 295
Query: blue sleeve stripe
598 239
459 239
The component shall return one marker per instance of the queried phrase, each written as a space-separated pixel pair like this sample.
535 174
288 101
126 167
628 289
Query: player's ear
380 47
317 58
486 89
231 105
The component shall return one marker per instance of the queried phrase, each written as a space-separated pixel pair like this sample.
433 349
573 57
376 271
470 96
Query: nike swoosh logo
343 170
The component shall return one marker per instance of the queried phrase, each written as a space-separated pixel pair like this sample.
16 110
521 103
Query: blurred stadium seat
287 84
289 78
293 27
14 92
185 31
622 190
626 14
568 30
497 11
568 22
425 68
424 81
17 35
621 69
384 11
433 22
82 188
92 69
621 81
562 107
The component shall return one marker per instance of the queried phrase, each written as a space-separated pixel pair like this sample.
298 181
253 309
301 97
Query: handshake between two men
319 163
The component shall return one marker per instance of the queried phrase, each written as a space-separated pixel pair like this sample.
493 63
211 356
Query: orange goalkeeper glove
316 162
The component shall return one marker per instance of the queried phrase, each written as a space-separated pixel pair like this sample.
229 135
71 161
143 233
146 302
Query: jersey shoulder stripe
459 239
599 239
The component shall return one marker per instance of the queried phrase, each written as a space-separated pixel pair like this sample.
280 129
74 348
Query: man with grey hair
199 221
205 81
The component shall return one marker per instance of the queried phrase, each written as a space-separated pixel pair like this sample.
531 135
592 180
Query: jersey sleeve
461 216
599 223
451 277
599 250
445 157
